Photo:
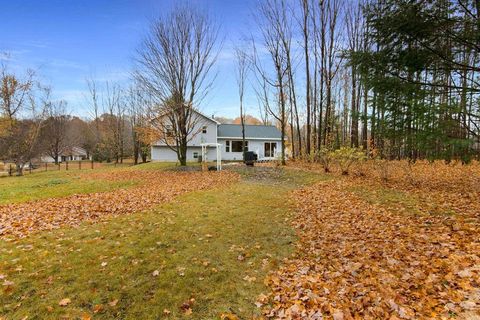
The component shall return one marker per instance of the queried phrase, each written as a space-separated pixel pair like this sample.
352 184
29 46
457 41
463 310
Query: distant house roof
74 151
251 131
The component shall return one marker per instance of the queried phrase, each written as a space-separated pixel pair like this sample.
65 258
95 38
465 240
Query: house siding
254 145
165 154
197 137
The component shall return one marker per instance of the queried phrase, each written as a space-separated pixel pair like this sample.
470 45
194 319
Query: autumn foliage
402 248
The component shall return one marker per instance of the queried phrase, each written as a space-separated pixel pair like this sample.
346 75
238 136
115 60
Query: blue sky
68 41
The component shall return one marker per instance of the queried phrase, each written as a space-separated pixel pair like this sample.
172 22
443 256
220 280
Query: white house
69 154
265 141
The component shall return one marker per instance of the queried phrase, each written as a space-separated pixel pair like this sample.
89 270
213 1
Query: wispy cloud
71 95
31 44
36 44
77 100
11 55
227 54
61 63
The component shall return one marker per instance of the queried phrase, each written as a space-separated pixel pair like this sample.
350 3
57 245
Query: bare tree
174 64
95 104
320 36
271 21
114 105
354 27
82 133
53 136
241 75
332 63
138 104
306 33
284 29
262 93
14 92
21 111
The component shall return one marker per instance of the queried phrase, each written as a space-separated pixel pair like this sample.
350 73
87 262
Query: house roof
194 111
207 117
251 131
74 151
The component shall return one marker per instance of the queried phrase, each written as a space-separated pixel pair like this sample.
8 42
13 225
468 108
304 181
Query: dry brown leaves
361 260
19 220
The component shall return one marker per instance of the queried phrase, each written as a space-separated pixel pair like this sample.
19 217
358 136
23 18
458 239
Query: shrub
324 156
383 169
362 168
346 156
409 173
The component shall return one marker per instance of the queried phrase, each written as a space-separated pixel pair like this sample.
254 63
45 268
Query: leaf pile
359 259
441 188
18 220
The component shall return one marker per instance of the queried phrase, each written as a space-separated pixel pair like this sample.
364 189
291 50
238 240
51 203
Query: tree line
34 126
394 78
397 79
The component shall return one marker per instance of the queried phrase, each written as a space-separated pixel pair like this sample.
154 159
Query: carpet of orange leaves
19 220
362 259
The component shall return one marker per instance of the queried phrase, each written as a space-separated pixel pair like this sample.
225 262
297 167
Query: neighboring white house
265 141
70 154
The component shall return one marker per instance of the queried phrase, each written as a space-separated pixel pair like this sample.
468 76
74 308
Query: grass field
206 253
61 183
259 242
42 185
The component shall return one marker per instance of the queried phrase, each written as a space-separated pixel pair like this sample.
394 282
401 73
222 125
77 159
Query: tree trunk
354 111
19 169
307 73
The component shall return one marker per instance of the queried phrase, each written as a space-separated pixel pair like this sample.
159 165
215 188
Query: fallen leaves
97 308
19 220
186 307
64 302
113 303
181 271
249 279
228 316
363 259
86 316
7 283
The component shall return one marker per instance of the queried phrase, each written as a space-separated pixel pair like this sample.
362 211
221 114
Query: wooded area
398 79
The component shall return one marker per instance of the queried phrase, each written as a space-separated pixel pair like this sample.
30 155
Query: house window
204 129
237 146
270 149
195 155
227 146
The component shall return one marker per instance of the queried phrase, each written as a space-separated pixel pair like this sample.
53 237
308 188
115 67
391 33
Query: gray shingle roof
251 131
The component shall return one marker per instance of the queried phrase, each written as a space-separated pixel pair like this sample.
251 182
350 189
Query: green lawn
42 185
212 246
61 183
